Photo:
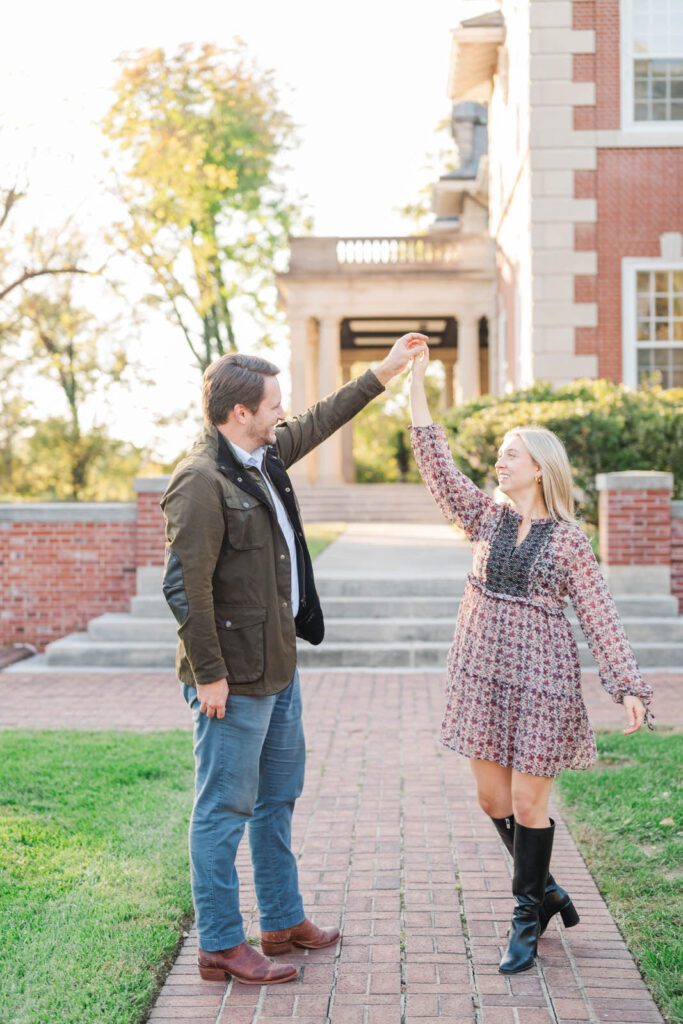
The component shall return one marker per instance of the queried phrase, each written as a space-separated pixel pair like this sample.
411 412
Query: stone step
368 503
351 586
660 608
80 650
128 629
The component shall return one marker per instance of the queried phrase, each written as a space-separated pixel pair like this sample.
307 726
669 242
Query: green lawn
94 885
626 817
320 535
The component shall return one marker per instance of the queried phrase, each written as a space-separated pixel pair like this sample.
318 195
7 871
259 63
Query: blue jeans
249 767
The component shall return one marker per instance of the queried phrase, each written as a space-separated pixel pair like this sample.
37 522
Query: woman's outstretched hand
635 713
420 362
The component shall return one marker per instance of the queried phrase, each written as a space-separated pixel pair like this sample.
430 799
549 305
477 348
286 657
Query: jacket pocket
247 521
241 631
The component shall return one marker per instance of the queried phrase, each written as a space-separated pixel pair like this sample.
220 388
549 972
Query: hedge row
605 427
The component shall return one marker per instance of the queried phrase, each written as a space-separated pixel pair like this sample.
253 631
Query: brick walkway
392 845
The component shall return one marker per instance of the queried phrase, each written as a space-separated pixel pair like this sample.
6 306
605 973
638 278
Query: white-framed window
652 322
652 63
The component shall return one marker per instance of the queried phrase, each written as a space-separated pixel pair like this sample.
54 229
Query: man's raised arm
298 435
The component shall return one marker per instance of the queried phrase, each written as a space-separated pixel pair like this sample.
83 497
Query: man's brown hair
235 379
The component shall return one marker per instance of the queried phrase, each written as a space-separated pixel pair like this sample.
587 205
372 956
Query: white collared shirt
255 459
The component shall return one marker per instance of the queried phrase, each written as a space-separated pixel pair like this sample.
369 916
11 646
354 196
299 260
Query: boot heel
276 948
213 974
569 915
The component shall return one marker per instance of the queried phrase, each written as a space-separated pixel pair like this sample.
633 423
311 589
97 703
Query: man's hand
402 353
635 713
213 697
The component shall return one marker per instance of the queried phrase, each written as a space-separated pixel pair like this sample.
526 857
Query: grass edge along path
94 886
625 817
320 535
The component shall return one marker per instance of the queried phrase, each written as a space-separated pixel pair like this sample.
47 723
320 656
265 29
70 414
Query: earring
538 479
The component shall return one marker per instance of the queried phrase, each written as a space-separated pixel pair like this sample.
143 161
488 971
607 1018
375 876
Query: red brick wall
640 196
58 575
149 536
635 527
677 560
603 67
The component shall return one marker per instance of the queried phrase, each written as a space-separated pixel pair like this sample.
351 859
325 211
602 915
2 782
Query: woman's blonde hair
550 455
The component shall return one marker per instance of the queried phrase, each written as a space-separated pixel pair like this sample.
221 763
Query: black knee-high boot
531 858
555 899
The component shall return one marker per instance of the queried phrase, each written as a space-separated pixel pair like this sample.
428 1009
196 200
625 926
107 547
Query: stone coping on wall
151 484
68 512
635 480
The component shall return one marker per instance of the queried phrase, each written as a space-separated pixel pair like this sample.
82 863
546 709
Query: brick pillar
677 552
634 514
149 521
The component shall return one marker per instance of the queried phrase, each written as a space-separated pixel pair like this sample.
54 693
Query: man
239 581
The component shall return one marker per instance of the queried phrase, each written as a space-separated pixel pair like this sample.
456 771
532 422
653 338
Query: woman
514 705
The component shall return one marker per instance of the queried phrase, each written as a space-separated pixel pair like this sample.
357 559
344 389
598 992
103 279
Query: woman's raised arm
460 500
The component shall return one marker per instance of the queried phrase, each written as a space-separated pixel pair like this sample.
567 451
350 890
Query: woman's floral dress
514 681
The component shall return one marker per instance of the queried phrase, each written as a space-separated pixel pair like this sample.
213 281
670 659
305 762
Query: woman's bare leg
493 787
530 797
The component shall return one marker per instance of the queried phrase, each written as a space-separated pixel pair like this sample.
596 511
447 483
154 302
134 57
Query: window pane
677 305
676 88
643 307
643 280
677 330
662 305
678 280
660 112
662 282
661 358
659 90
677 111
644 363
661 330
644 330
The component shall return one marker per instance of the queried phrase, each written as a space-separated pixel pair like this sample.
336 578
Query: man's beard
258 440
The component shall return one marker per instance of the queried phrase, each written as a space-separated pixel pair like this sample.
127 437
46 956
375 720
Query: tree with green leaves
198 136
80 353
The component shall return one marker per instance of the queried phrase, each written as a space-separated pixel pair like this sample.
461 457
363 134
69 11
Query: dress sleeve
602 627
460 500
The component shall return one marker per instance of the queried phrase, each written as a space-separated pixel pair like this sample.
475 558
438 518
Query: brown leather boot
244 963
305 935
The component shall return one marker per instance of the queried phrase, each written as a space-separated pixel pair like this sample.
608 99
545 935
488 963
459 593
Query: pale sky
364 81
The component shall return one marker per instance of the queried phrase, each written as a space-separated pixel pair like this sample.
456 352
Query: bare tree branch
28 275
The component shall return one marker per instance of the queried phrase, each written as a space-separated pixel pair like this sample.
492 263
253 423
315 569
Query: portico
348 299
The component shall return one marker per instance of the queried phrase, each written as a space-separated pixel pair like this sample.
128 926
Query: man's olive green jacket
228 571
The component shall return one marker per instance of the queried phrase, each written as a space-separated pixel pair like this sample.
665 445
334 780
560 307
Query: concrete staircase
390 594
368 503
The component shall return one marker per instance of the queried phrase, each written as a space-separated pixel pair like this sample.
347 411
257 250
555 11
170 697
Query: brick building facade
585 182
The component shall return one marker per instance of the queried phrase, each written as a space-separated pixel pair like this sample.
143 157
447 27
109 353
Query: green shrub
605 427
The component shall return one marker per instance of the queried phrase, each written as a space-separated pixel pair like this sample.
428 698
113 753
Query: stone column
330 451
634 515
348 468
468 384
298 365
449 372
